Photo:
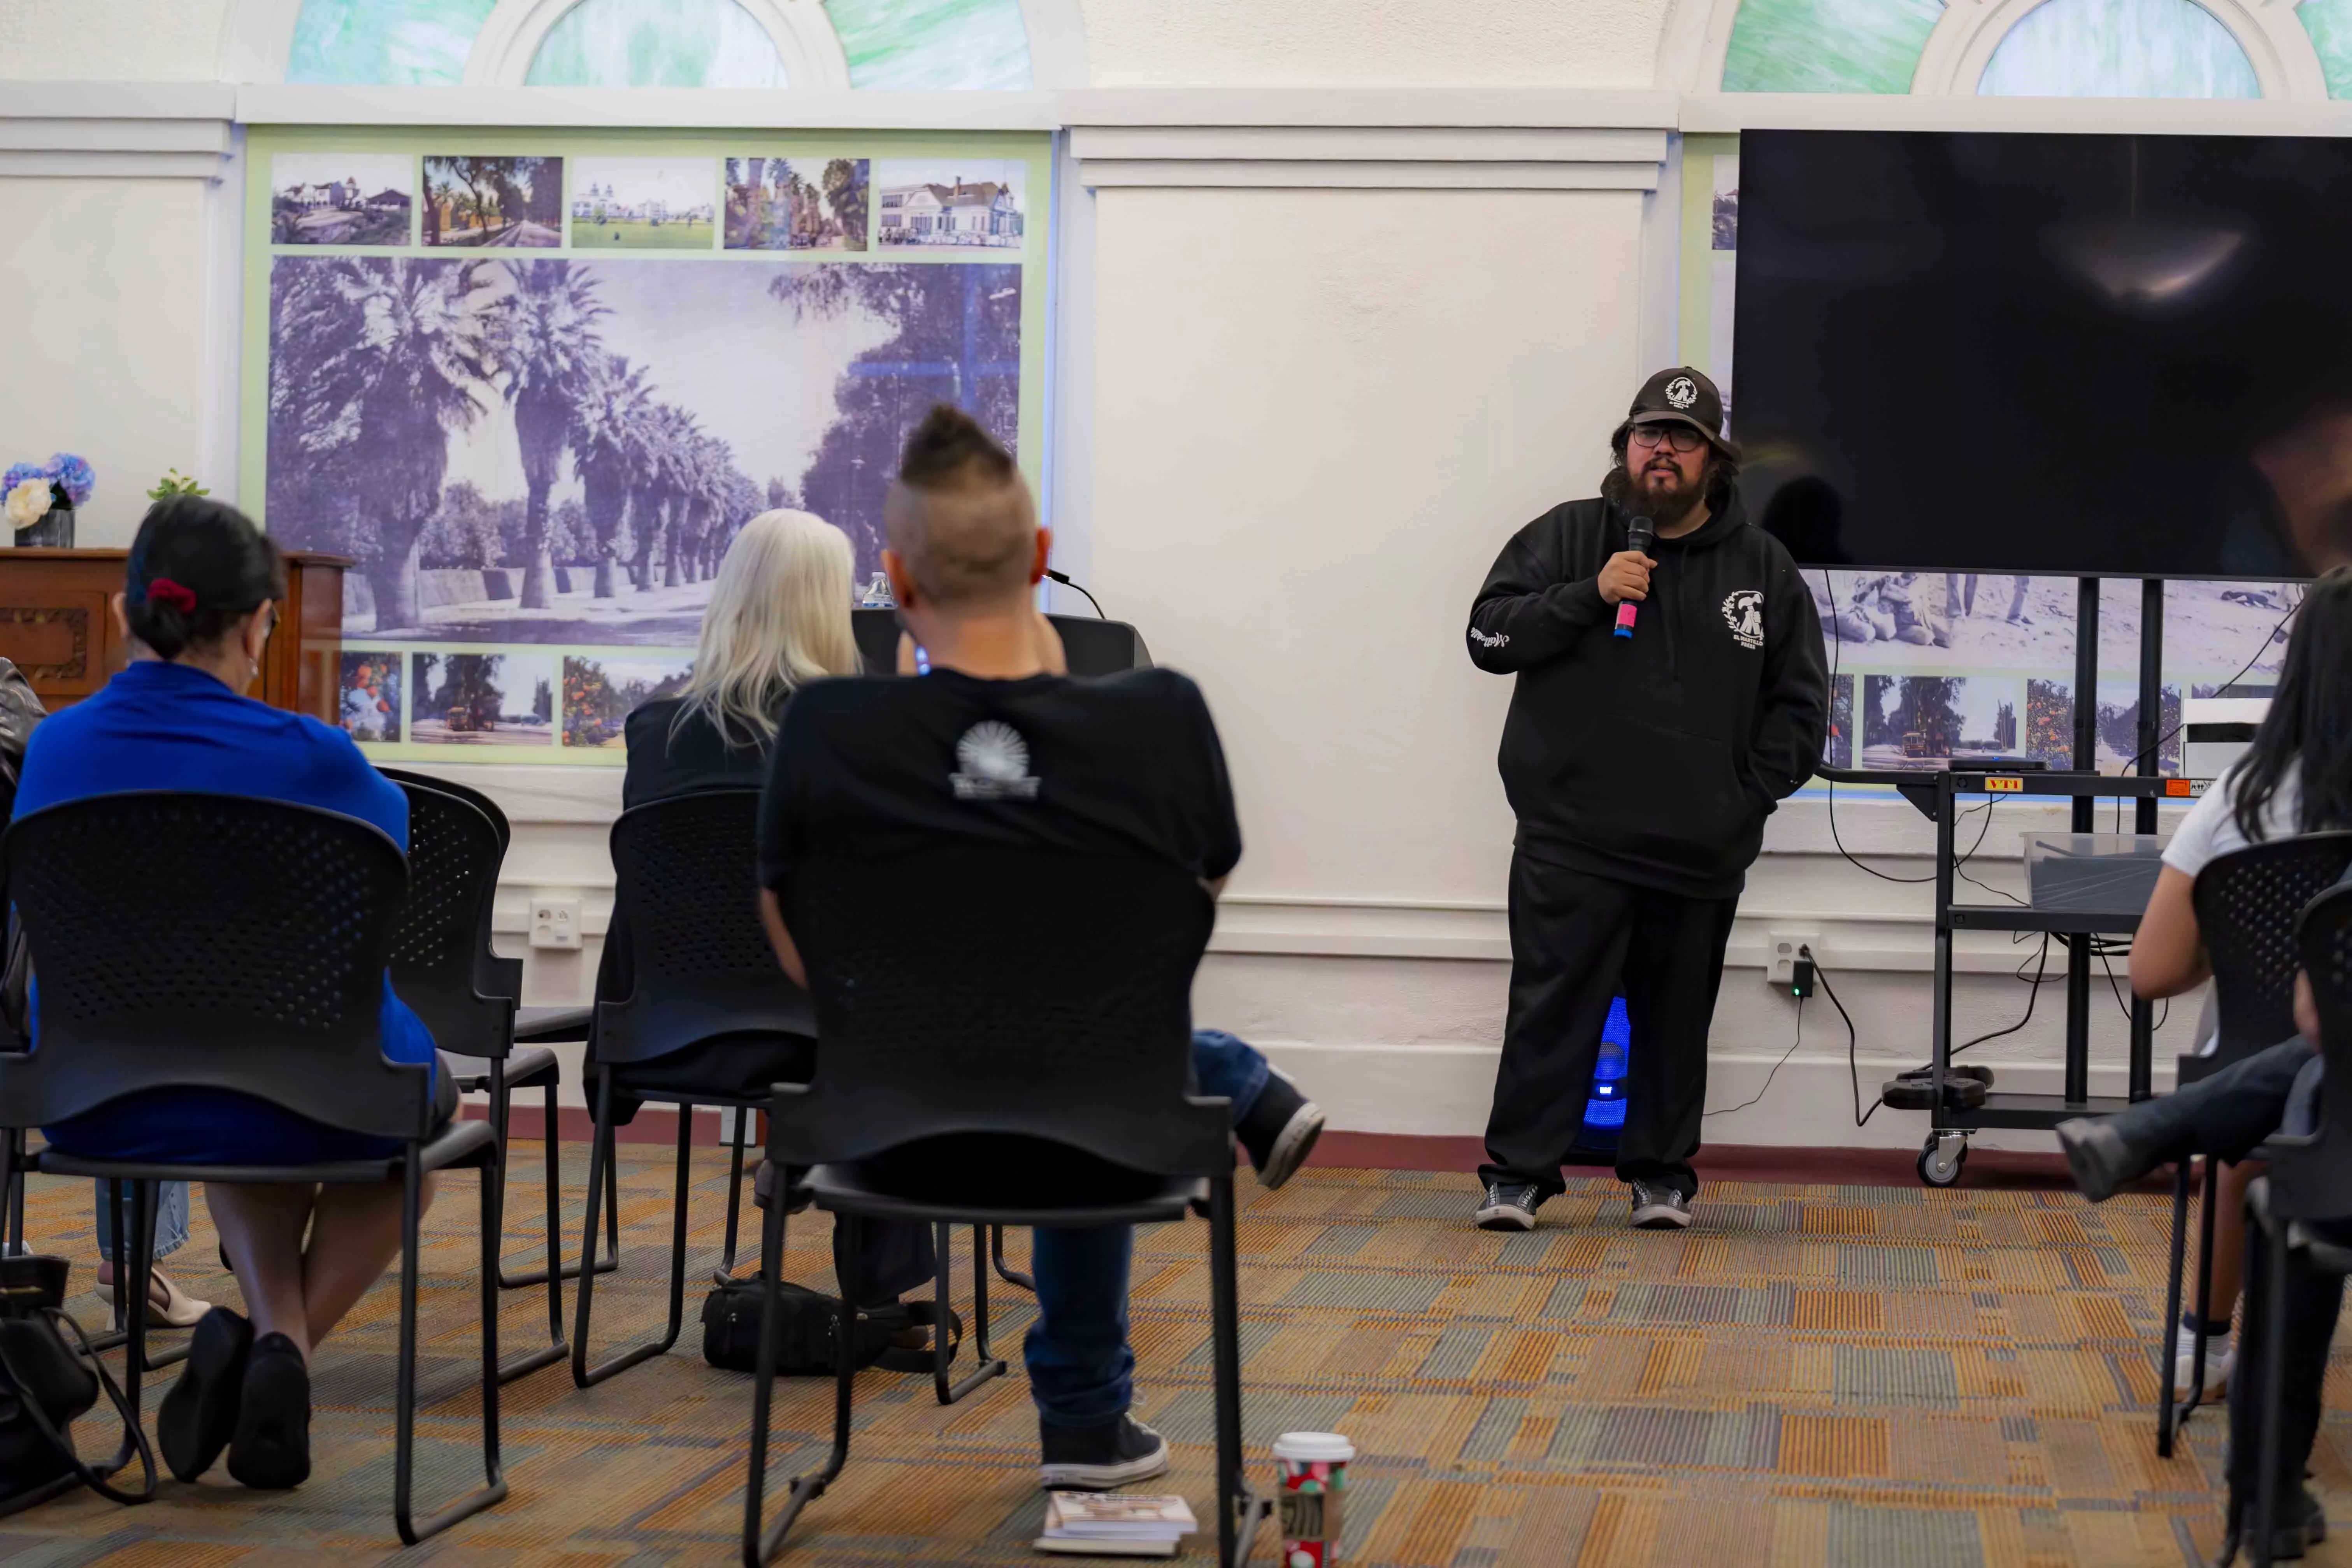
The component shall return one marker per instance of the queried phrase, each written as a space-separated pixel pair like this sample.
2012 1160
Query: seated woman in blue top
200 596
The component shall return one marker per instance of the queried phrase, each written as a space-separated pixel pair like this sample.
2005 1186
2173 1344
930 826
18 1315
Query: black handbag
48 1376
806 1321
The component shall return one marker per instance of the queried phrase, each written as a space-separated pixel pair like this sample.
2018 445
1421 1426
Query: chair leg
12 1193
502 1118
943 1251
2272 1264
2204 1289
1238 1508
725 1272
127 1197
2164 1417
603 1152
761 1544
554 1138
996 1254
403 1467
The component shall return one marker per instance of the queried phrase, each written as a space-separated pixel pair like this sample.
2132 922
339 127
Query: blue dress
159 726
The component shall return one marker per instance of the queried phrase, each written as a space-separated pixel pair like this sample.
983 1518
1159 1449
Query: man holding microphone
1671 693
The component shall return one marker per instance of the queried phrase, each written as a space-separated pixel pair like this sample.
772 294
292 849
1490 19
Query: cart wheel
1941 1160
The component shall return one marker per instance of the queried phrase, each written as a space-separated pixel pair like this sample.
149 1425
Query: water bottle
877 595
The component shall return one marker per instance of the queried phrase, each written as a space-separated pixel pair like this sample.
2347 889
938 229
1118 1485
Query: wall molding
130 131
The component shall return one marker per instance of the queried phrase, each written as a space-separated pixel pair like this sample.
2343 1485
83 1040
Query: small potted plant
41 499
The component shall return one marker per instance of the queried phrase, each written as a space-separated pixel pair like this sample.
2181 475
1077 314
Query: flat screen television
2123 356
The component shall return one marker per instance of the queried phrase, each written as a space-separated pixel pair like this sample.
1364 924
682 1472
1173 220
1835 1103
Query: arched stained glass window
400 42
918 44
1828 46
657 43
2119 49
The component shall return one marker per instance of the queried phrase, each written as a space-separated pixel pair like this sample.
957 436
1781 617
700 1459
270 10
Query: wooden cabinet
56 622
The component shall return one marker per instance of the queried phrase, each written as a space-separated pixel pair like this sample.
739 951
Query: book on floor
1112 1523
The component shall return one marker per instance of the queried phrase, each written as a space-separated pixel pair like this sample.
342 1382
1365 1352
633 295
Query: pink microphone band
1624 618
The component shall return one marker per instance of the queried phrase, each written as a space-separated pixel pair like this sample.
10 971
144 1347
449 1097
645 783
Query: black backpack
805 1320
49 1375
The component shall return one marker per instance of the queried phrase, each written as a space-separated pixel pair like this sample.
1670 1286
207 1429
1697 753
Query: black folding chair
1006 1040
2247 903
444 967
702 973
212 941
2309 1185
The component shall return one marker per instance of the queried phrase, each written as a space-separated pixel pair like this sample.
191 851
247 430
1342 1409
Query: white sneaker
2220 1357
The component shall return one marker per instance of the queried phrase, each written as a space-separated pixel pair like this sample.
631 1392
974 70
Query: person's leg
2229 1238
261 1230
1275 1123
1673 967
2226 1114
1568 948
2313 1300
1081 1368
170 1234
354 1237
1231 1068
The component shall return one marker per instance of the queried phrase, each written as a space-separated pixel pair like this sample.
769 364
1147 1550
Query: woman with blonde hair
779 618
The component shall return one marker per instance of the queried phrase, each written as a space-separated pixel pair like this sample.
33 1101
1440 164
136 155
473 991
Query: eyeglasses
1681 437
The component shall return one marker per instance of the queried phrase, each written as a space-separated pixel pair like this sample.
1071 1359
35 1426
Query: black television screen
2121 356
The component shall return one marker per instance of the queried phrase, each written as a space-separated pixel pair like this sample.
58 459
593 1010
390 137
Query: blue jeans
171 1217
1081 1371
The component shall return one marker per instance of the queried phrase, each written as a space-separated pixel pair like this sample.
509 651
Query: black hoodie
1652 760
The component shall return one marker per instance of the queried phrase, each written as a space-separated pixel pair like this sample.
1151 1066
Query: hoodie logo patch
1743 612
1484 641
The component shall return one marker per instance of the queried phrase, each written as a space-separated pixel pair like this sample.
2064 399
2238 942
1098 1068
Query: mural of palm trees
610 436
548 354
668 474
380 360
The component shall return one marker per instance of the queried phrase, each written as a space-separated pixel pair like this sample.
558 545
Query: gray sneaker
1659 1208
1509 1205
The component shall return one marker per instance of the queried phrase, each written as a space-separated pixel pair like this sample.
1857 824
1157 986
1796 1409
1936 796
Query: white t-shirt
2211 828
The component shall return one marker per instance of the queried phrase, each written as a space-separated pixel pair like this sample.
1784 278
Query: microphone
1640 534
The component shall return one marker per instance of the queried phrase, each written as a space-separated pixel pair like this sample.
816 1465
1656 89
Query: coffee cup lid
1314 1447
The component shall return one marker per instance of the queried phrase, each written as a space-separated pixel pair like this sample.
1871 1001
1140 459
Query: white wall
1324 352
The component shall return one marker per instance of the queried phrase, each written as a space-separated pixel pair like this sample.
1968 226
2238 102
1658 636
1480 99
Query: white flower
28 503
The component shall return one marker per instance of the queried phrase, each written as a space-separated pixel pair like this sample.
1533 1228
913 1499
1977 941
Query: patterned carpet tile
1811 1377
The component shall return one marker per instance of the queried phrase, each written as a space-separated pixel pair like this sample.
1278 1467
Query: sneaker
199 1414
2221 1360
1095 1459
1509 1205
271 1450
1659 1208
1280 1131
2102 1163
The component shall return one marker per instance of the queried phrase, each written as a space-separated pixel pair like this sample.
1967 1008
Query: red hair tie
179 596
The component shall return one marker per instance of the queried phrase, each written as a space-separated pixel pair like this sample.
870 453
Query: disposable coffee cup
1314 1468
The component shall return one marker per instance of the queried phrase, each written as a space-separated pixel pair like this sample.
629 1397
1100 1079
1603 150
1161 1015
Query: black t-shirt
1115 764
670 758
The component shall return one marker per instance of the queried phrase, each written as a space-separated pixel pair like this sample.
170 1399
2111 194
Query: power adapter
1801 978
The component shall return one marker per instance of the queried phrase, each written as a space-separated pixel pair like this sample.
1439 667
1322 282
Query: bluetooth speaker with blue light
1604 1113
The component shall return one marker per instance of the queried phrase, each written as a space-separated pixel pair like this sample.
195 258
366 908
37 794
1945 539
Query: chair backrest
985 988
466 793
2247 903
442 965
2312 1178
686 902
191 941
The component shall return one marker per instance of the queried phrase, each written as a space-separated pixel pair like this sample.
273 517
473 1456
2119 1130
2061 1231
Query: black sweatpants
1575 940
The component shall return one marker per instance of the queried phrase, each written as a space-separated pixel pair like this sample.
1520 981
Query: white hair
779 618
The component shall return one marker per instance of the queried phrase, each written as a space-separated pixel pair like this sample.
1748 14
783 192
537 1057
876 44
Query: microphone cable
1063 579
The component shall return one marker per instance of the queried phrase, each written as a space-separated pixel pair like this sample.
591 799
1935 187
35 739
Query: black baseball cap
1680 396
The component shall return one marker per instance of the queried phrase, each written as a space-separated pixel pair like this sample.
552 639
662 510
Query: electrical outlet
1784 942
555 923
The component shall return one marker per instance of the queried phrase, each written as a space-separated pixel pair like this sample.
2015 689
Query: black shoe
199 1414
1659 1208
2101 1161
1095 1459
1280 1131
271 1450
1509 1205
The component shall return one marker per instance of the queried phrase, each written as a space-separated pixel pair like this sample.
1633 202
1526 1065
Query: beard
1659 490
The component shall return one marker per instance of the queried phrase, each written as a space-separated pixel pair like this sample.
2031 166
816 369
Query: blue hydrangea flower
75 475
19 472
